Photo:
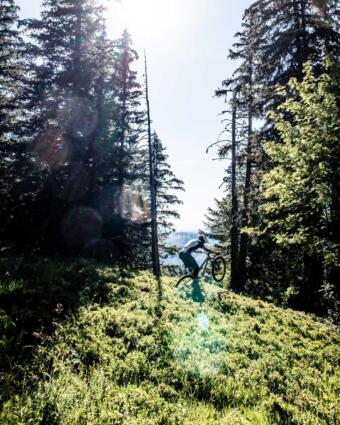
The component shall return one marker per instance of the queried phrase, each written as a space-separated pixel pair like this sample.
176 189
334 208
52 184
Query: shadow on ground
36 294
197 295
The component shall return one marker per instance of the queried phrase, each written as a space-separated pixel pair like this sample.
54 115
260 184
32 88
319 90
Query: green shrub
99 353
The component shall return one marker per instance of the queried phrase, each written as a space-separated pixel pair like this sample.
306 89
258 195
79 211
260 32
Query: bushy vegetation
84 344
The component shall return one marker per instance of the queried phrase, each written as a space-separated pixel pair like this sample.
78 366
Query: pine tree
128 117
13 161
233 178
166 184
243 101
152 184
243 82
64 43
61 115
11 67
122 173
289 32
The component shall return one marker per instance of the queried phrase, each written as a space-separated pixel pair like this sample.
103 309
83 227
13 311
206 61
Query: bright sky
186 43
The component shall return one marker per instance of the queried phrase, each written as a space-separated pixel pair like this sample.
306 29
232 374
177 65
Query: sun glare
203 321
142 18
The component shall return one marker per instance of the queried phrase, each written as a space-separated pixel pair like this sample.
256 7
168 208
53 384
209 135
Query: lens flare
203 321
78 116
134 204
51 149
199 343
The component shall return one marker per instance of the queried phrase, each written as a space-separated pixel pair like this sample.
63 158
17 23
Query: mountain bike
218 269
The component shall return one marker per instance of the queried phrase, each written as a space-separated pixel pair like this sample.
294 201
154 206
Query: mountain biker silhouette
192 246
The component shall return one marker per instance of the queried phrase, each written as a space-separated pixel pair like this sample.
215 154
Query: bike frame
204 265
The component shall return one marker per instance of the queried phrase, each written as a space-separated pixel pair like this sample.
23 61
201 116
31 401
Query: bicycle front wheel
219 268
184 281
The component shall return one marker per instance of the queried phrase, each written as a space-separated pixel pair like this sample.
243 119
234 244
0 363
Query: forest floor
87 344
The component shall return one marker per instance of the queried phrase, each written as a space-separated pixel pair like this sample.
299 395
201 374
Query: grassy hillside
82 344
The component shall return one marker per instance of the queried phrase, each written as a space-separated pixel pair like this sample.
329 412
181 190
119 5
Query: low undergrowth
84 344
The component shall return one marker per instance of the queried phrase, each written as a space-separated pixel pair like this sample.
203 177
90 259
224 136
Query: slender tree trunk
244 238
300 34
120 182
90 162
95 140
154 234
234 205
304 29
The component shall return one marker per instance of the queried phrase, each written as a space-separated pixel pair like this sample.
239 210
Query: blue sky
187 42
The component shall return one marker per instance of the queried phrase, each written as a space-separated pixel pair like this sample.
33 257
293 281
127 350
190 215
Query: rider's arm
209 251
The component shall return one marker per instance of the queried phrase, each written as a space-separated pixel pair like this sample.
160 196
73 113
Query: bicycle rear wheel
219 268
184 281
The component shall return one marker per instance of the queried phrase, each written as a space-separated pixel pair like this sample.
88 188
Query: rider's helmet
203 239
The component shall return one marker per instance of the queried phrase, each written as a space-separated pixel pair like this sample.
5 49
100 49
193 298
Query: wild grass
85 344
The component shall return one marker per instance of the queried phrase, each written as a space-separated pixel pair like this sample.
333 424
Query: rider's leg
190 262
193 266
195 271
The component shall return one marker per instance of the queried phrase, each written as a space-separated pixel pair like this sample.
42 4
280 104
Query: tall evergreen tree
13 161
123 174
289 33
129 121
234 229
64 65
166 184
62 115
10 67
152 185
243 100
233 144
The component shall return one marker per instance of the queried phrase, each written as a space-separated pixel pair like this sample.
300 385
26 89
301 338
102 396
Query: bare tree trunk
304 28
234 205
95 139
120 180
244 238
299 7
154 233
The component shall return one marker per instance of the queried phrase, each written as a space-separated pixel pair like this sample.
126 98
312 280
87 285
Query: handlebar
215 254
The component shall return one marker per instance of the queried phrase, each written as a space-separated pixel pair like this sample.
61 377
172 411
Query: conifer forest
93 328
